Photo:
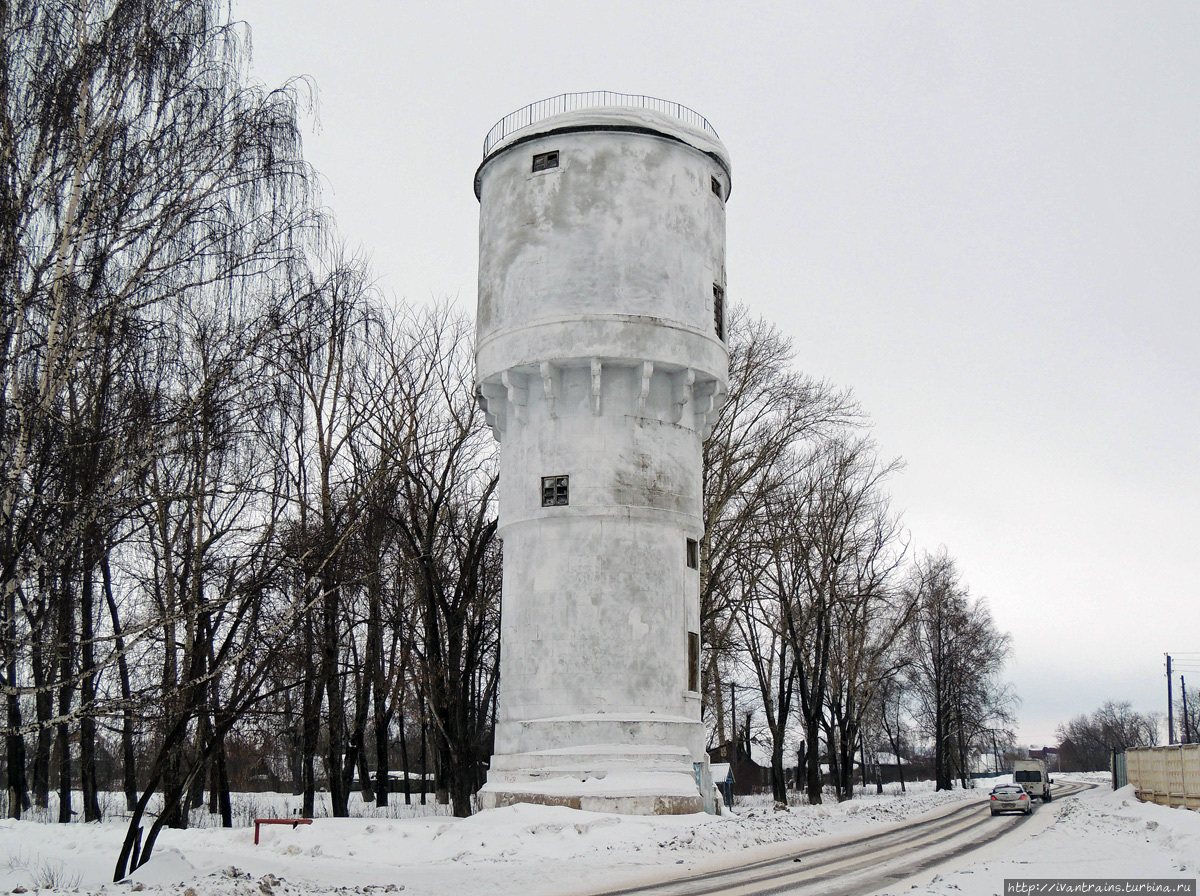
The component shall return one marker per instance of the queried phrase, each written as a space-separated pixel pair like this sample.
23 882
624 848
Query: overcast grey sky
984 218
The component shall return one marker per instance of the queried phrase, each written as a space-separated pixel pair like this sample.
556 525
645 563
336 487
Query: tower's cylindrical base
599 703
638 764
630 802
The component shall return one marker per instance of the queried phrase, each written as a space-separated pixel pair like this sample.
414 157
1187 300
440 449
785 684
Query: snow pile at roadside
543 849
1099 835
540 850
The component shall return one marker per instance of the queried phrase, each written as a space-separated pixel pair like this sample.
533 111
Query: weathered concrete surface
598 358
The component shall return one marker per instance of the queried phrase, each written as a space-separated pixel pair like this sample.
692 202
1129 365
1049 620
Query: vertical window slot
693 661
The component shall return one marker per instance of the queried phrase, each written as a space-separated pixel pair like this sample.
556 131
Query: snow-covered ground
538 851
1099 835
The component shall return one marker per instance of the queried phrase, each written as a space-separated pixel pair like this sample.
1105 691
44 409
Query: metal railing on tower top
571 102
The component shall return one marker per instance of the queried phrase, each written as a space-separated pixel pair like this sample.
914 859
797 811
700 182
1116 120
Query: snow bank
1101 834
543 850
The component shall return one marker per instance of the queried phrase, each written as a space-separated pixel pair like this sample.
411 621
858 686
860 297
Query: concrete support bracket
518 393
644 392
597 369
549 385
681 392
709 396
493 397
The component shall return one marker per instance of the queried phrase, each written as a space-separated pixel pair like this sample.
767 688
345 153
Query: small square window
719 310
693 554
555 491
693 661
545 160
716 187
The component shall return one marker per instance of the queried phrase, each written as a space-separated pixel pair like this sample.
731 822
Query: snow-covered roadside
1098 835
536 851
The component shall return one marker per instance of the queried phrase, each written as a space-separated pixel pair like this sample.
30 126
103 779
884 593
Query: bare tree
1087 742
771 411
765 596
446 524
1187 710
890 723
138 167
957 659
817 614
212 506
870 612
324 365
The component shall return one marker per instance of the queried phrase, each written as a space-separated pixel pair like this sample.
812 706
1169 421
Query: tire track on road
861 864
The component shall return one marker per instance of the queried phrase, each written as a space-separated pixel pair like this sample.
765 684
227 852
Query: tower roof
574 102
603 110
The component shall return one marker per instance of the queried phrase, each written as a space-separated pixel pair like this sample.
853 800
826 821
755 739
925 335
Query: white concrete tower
601 363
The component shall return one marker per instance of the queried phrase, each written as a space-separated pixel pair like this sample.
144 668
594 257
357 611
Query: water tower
601 364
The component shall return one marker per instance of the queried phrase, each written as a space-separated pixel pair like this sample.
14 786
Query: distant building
748 776
1048 755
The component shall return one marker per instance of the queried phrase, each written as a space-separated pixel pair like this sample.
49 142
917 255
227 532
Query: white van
1031 774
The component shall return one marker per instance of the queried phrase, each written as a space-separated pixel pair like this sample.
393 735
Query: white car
1010 798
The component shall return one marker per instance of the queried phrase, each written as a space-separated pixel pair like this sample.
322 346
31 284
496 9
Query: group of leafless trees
238 493
844 642
248 505
1087 742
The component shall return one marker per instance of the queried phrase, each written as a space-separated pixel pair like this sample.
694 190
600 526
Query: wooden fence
1169 776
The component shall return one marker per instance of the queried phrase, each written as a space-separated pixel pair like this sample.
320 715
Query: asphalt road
860 865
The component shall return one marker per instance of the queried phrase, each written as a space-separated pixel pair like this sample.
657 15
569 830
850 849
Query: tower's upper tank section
602 235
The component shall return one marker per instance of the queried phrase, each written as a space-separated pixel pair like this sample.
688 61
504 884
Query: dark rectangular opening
693 661
719 310
545 160
693 554
555 491
716 187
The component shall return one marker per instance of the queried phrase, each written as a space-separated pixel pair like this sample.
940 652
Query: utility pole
1170 706
1188 733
